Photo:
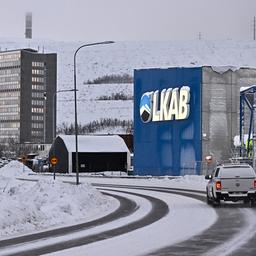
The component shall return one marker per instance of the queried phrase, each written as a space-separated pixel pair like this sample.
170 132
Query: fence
196 168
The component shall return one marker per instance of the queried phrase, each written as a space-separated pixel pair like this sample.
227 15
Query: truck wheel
246 201
208 199
216 202
252 203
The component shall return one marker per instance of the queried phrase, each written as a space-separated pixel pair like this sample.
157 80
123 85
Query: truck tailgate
237 184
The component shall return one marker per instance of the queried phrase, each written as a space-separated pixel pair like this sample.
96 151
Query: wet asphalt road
232 218
127 207
230 221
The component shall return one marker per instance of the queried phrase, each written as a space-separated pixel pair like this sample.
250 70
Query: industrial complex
185 116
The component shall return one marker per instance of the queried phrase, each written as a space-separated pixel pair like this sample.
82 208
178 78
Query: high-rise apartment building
27 86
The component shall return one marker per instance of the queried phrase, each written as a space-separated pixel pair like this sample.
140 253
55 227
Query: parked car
231 182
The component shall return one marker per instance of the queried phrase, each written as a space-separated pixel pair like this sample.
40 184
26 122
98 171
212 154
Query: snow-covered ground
30 206
123 58
27 206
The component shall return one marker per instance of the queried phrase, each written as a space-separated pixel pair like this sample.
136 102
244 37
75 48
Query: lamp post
54 121
75 100
53 109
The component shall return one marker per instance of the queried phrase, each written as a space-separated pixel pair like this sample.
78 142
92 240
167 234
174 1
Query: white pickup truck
231 182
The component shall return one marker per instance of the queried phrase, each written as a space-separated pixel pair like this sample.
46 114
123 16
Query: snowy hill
122 58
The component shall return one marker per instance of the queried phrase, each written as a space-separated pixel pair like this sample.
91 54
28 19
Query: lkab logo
169 104
146 107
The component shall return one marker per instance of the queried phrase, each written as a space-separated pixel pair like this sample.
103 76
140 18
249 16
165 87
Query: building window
37 79
37 71
37 125
37 102
37 110
37 64
37 118
38 87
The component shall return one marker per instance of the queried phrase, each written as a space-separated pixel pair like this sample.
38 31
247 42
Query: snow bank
28 206
193 182
14 169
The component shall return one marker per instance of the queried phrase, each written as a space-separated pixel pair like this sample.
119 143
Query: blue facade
166 147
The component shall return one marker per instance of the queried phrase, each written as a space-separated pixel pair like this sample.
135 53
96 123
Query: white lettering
184 108
174 105
165 103
156 112
174 109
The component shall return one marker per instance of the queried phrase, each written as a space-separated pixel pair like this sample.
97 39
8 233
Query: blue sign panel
167 121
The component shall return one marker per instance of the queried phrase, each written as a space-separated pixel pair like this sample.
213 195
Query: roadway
232 233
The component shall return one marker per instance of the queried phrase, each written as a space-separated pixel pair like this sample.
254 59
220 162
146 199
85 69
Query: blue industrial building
162 146
182 115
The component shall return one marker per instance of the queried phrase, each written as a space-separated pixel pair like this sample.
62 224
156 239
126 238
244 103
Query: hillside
122 58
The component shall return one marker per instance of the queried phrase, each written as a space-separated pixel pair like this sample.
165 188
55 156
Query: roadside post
24 160
54 160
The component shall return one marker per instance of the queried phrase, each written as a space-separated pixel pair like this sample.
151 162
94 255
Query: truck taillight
218 185
255 184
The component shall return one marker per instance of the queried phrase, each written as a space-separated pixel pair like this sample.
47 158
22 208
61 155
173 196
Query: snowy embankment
122 58
190 182
30 206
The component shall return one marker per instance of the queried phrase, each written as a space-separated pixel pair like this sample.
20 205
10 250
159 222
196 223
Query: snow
48 202
245 88
14 169
123 58
30 206
95 143
237 142
175 227
245 235
27 207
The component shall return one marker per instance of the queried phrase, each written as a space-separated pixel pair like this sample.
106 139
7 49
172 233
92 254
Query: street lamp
53 113
75 100
54 121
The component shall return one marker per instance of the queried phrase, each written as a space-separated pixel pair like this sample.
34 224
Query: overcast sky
92 20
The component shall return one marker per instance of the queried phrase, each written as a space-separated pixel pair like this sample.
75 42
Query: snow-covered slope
122 58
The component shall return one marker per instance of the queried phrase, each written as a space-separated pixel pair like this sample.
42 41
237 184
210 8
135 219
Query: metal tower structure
248 98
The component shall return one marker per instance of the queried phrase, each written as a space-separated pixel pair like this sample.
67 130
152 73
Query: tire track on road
232 218
158 211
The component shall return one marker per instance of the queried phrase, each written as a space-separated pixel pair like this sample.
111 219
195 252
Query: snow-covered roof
247 88
95 143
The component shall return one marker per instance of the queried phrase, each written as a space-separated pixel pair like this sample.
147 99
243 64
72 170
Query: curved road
234 232
127 207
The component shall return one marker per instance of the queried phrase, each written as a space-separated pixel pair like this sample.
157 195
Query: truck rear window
237 171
